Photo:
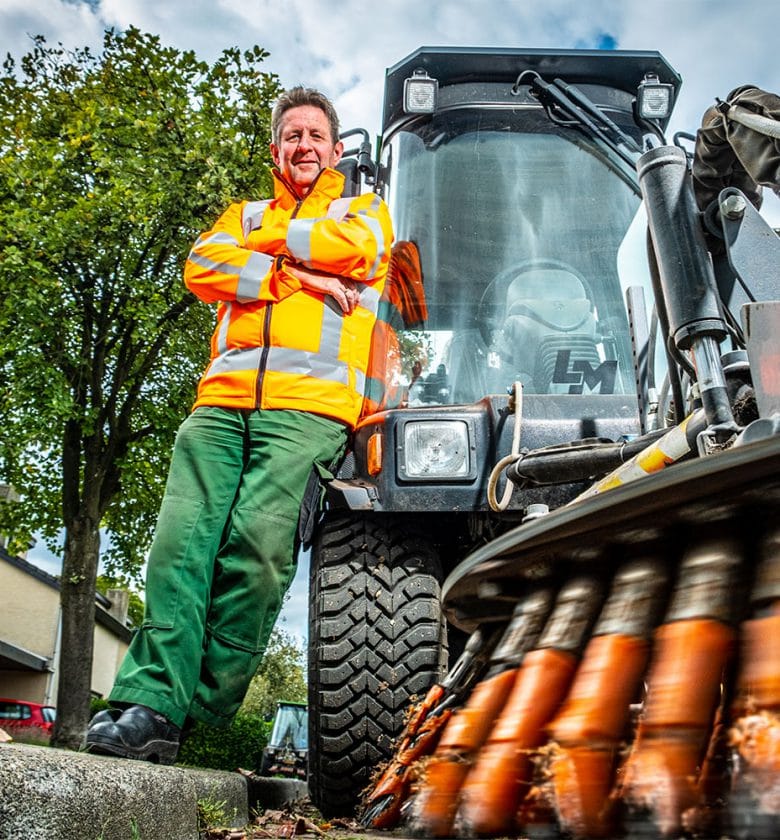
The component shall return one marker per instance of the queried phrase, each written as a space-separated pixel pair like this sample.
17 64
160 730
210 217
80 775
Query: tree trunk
79 572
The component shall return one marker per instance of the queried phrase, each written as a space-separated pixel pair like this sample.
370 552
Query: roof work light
420 93
654 98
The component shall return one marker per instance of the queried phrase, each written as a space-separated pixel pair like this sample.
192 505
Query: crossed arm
328 256
344 291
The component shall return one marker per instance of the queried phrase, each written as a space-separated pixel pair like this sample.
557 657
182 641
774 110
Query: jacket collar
329 184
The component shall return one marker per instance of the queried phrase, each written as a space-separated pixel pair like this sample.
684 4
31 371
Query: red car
18 713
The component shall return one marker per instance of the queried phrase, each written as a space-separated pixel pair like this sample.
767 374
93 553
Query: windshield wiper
581 113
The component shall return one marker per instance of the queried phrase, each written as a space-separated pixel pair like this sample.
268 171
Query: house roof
30 569
101 615
15 658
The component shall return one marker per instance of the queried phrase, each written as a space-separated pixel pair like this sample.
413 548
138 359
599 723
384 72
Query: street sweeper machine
545 596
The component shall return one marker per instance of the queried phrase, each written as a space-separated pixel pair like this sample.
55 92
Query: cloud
339 47
714 45
73 24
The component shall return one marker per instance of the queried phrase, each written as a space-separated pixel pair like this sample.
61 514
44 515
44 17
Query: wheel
376 639
265 764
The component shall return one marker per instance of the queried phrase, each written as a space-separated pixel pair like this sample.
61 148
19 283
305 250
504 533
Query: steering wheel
491 309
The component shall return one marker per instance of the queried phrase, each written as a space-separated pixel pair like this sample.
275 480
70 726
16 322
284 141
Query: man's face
305 147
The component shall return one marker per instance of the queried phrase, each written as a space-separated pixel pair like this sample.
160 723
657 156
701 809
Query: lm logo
578 373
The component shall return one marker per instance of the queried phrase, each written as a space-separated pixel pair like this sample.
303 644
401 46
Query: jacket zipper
266 339
266 336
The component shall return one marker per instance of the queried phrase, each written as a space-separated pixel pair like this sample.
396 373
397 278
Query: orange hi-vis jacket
276 344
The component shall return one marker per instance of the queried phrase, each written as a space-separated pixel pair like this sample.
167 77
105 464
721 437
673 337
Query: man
297 281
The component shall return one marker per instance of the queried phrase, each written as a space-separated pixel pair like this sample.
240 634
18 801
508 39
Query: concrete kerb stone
276 794
49 794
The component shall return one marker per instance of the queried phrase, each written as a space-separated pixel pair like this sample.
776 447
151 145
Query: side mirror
361 155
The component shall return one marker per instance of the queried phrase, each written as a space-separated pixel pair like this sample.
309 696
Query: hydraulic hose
677 443
501 505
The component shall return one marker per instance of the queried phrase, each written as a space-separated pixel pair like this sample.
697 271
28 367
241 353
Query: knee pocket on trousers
233 642
170 574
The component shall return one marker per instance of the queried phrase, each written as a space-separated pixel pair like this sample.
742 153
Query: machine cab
528 227
521 243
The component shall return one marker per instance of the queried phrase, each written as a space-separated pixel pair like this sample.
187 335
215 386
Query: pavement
51 794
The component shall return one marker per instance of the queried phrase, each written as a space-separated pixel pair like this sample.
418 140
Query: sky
343 48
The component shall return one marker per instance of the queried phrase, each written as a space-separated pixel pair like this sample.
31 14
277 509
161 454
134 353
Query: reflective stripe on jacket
277 345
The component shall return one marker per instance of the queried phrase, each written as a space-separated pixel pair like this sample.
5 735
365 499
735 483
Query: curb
51 794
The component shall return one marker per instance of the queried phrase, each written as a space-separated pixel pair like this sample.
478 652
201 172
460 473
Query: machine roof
620 69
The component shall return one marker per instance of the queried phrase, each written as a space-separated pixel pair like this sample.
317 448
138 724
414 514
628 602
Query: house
30 633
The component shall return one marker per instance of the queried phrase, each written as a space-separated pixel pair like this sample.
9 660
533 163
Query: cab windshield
519 224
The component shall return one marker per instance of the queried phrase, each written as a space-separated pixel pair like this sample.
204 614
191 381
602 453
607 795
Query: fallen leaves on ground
288 824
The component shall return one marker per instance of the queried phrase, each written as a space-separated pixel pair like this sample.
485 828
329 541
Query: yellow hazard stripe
670 448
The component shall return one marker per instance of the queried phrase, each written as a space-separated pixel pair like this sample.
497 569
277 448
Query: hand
342 290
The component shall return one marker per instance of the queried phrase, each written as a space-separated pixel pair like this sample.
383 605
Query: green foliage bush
240 745
281 676
97 704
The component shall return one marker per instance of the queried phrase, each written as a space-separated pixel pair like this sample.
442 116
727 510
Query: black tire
376 640
265 764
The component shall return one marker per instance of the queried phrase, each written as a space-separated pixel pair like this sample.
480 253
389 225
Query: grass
213 814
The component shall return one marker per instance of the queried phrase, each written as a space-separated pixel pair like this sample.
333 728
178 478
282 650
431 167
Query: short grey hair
300 95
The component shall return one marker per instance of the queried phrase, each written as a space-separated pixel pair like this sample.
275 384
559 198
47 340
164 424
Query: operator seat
548 311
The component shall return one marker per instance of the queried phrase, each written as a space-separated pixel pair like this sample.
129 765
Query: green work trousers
223 557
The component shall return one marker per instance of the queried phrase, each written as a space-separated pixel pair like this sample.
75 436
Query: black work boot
139 733
106 716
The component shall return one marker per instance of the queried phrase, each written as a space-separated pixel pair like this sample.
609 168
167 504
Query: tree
281 676
110 166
